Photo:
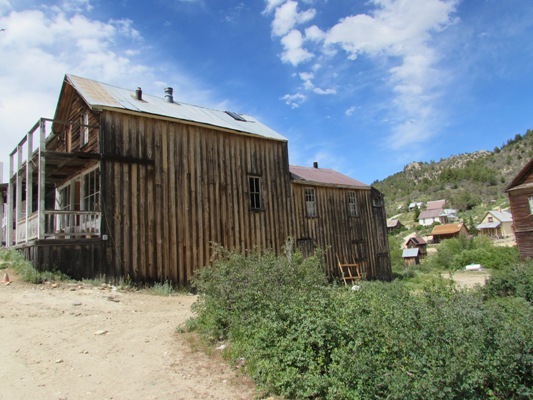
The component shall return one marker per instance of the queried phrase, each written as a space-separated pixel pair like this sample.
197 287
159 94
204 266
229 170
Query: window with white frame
254 183
530 199
91 190
310 202
84 128
352 204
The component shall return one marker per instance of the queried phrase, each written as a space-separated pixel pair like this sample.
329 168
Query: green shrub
16 260
301 338
511 281
454 254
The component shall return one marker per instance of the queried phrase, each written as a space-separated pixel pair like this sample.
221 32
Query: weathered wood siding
522 220
362 238
76 258
171 189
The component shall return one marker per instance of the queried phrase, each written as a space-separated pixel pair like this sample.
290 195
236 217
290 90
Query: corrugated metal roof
503 216
101 95
413 252
488 225
324 176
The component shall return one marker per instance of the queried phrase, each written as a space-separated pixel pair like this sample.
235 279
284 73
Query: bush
301 338
16 260
512 281
454 254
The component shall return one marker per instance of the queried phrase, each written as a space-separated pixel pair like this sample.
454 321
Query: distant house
448 231
411 256
496 223
413 205
416 242
434 212
393 225
435 205
520 192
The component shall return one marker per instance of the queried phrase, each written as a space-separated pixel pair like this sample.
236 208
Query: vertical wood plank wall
362 238
162 217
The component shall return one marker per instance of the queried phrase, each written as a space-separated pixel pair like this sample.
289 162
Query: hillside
466 181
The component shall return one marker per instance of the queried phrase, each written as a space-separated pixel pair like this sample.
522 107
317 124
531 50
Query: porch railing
60 224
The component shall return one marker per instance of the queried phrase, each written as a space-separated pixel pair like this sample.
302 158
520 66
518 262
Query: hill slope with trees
466 181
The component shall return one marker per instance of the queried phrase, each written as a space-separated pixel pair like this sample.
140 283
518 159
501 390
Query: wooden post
10 208
42 181
2 207
18 200
29 183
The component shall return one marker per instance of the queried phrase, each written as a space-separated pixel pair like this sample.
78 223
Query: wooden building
497 224
411 256
416 242
448 231
342 215
520 192
124 184
394 225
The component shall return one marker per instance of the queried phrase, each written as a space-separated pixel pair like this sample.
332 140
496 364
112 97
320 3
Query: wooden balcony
59 224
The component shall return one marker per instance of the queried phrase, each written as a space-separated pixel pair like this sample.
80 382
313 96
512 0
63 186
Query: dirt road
81 342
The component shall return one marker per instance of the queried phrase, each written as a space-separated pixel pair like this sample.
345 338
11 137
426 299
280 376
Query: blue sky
363 87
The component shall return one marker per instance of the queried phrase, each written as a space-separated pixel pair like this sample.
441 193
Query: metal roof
413 252
103 96
326 176
488 225
502 216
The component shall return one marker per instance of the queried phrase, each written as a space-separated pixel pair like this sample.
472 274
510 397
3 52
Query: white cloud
294 100
324 91
40 45
272 4
314 34
349 112
397 34
287 17
293 52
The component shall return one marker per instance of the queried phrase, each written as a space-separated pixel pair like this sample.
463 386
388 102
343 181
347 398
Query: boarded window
310 202
255 192
84 128
306 246
352 204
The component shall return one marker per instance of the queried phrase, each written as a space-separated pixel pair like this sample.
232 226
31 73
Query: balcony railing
60 224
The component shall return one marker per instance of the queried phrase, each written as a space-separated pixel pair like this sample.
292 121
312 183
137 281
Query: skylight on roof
235 116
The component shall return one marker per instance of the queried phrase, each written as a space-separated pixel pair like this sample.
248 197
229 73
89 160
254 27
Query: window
84 128
255 192
352 204
310 202
490 219
91 191
377 201
530 199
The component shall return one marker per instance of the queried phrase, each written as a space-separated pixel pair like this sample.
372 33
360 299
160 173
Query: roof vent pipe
139 94
315 164
168 95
